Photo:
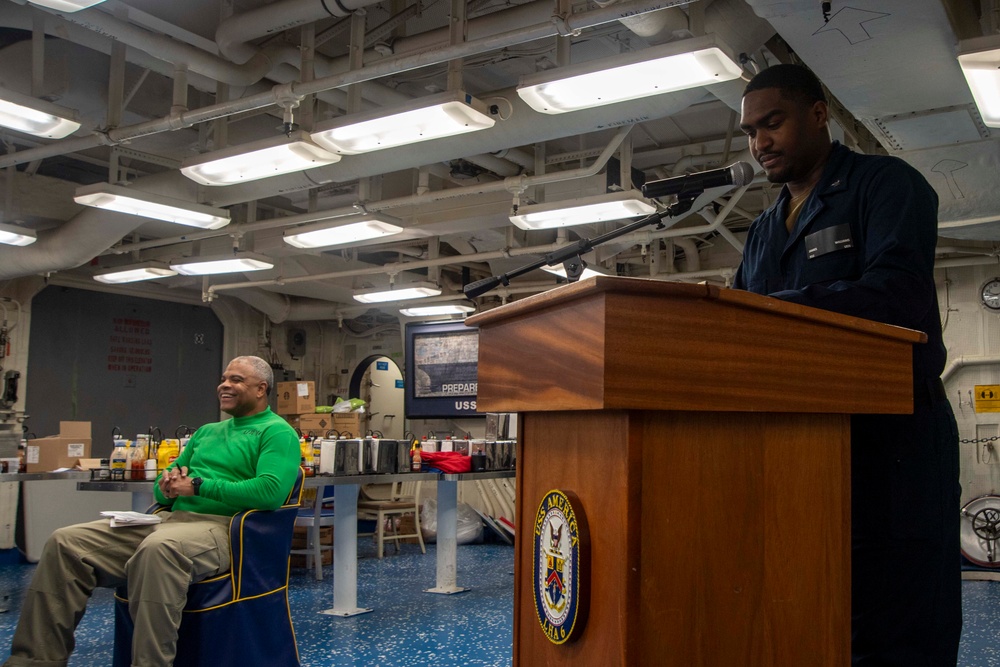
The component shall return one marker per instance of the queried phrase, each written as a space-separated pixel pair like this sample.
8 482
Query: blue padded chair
241 617
307 518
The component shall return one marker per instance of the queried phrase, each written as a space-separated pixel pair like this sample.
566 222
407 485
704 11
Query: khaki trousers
158 562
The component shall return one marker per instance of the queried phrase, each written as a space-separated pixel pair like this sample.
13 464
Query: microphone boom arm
580 247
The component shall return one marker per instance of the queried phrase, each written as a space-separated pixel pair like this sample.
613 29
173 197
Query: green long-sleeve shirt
245 462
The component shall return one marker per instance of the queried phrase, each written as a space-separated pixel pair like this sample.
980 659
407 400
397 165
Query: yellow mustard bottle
170 449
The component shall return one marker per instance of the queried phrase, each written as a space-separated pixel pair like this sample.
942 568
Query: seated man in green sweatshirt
248 462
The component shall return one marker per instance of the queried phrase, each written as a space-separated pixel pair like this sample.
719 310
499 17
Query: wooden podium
706 435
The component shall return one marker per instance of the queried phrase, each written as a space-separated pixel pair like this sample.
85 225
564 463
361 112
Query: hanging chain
976 441
988 452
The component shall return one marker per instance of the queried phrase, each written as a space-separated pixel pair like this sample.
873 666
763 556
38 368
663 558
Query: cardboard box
296 398
59 451
347 421
300 537
313 423
88 464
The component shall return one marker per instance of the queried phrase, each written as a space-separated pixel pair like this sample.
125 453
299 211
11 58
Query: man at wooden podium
855 234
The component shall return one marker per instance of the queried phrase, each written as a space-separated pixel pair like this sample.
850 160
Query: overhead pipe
180 53
954 262
672 232
28 260
692 260
957 363
517 156
671 21
397 267
279 311
234 33
494 164
23 17
985 220
446 173
389 66
513 184
81 238
722 231
393 268
279 61
303 310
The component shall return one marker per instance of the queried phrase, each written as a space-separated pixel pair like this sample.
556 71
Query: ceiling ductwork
892 70
522 127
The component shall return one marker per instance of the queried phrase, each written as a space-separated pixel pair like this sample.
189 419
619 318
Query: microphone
738 174
472 290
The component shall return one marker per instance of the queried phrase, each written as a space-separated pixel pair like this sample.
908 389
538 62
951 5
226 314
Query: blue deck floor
411 628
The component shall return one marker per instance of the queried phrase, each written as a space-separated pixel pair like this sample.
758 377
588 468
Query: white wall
972 335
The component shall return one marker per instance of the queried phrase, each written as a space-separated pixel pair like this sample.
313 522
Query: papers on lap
130 518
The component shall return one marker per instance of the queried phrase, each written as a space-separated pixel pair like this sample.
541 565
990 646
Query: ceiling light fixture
440 309
34 116
408 291
238 262
342 230
423 119
148 205
134 273
597 208
979 59
258 159
687 63
66 5
18 236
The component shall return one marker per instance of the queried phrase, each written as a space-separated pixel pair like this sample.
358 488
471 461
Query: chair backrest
294 498
405 491
250 598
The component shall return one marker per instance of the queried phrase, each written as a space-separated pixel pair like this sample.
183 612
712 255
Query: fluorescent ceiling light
408 291
258 159
560 271
34 116
336 232
980 62
441 309
18 236
134 273
597 208
235 263
147 205
66 5
661 69
423 119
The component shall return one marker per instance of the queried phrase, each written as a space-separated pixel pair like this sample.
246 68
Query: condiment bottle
137 457
167 453
119 460
416 461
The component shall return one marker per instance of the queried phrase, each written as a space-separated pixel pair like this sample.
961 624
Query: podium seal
560 565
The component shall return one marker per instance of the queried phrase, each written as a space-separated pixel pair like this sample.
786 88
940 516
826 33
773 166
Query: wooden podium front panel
586 452
715 538
745 540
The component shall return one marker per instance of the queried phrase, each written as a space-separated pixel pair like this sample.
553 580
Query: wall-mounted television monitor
441 370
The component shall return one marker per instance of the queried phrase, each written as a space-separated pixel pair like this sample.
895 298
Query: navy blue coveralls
863 245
